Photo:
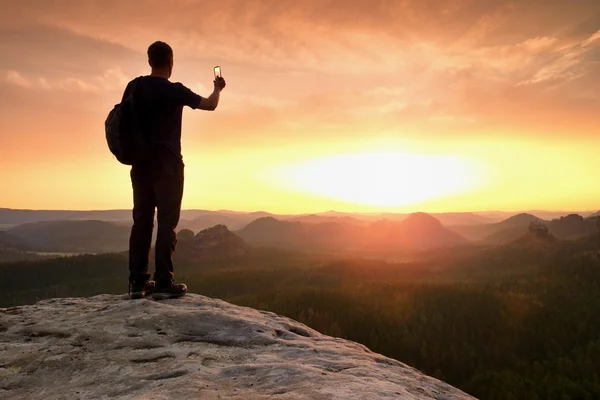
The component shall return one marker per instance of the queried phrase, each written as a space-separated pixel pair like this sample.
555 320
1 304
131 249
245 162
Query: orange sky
405 105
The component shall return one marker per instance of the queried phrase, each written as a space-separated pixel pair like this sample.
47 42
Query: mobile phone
218 72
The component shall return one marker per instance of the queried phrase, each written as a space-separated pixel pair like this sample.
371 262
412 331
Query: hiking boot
139 289
169 290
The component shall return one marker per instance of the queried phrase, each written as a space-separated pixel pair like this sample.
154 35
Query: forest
520 321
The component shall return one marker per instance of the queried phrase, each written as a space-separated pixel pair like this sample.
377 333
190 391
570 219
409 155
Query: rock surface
195 347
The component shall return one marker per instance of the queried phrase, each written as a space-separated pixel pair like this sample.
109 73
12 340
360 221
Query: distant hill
209 220
18 217
485 231
537 237
74 236
197 220
273 232
542 214
328 230
9 241
446 218
13 248
518 220
569 227
417 231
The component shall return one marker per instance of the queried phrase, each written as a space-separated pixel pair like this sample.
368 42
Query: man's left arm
196 102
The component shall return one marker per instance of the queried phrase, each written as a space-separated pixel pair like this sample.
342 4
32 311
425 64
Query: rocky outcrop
214 243
537 238
190 348
568 227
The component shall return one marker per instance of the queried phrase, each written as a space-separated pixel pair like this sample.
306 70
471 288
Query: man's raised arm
211 102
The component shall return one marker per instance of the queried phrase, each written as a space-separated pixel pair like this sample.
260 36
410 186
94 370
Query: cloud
56 52
324 36
335 63
15 78
111 80
569 62
334 37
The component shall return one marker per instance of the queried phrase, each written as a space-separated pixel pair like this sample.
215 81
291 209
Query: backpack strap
132 86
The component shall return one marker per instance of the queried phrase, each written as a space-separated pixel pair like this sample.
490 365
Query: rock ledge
191 348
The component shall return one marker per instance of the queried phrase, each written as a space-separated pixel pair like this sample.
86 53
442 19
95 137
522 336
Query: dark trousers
157 186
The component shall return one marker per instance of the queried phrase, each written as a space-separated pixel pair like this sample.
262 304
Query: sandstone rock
190 348
216 243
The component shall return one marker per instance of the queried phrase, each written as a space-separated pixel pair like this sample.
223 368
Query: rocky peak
190 348
217 242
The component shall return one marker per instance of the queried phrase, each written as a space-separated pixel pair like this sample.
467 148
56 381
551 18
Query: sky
364 105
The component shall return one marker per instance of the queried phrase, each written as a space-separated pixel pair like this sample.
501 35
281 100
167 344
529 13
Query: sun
381 179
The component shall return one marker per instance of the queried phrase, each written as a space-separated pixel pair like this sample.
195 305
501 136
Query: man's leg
168 190
140 241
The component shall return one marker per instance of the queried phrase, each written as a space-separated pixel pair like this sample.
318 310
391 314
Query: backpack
124 139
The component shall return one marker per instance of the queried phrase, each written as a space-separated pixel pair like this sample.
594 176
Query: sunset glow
384 179
353 106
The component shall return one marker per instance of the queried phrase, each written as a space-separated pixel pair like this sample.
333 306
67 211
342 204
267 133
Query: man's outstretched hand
219 83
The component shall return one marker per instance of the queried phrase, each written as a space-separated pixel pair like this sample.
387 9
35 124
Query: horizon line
319 212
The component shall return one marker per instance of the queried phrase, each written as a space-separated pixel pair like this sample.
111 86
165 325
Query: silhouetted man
158 182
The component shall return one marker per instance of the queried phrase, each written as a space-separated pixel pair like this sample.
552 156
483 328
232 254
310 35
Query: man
158 182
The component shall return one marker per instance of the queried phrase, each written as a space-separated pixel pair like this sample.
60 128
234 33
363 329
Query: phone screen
218 72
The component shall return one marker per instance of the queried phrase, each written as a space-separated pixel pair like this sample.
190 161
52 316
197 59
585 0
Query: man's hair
159 54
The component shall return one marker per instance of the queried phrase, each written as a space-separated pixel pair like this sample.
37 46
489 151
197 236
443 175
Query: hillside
9 241
74 236
505 236
193 347
483 231
13 248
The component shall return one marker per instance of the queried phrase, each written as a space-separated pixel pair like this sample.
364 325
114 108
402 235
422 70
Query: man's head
160 58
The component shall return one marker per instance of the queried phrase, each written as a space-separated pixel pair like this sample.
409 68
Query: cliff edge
190 348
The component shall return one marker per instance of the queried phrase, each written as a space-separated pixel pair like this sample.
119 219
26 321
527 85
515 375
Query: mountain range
197 220
318 232
565 227
417 231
